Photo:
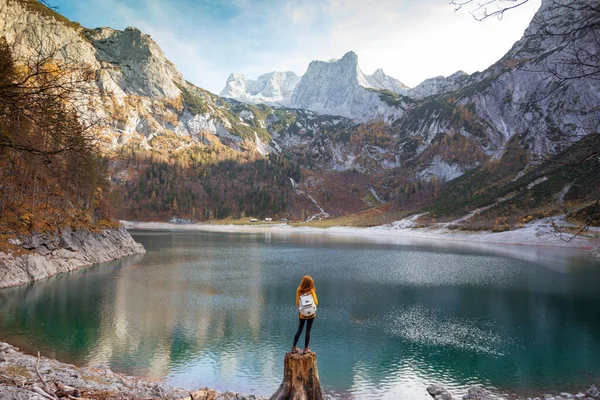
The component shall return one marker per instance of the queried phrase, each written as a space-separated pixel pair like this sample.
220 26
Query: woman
307 287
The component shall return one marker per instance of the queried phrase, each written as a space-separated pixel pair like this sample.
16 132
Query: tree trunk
300 378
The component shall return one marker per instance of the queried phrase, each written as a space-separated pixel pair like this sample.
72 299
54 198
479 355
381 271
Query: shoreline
23 376
64 251
539 234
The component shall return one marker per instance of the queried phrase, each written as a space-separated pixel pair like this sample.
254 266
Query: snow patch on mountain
274 88
441 170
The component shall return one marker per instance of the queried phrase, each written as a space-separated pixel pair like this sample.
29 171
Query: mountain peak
350 55
341 88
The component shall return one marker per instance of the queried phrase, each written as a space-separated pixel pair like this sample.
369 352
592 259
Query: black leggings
307 334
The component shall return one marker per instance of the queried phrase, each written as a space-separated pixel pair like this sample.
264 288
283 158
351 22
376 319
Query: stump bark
300 378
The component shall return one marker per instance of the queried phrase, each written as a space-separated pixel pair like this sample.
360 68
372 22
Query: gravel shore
19 380
22 378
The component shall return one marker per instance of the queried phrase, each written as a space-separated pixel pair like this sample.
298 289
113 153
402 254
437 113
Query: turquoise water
217 309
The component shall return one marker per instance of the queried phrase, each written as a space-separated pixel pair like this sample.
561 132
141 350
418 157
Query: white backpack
307 305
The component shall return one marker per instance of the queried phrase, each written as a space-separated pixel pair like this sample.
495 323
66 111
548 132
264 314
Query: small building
268 219
253 220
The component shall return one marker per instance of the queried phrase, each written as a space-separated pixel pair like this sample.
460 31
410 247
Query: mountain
339 87
335 87
274 88
522 96
438 85
349 140
380 80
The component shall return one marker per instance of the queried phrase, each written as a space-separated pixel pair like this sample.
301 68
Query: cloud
410 40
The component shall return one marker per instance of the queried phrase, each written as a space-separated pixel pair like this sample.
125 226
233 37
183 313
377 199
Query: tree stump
300 378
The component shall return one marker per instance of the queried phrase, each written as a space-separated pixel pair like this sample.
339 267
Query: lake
395 315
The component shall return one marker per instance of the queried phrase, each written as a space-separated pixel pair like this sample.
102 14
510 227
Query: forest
52 173
204 183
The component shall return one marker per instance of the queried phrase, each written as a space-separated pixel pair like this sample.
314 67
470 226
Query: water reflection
217 309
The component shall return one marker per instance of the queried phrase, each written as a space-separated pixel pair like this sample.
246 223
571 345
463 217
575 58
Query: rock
580 396
91 248
42 251
15 241
32 242
64 254
566 395
439 392
66 239
229 396
17 393
434 390
593 393
203 394
477 392
444 396
158 390
438 84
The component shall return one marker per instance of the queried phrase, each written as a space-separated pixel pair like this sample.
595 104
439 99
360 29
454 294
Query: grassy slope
518 189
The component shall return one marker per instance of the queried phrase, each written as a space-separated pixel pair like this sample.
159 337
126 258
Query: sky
411 40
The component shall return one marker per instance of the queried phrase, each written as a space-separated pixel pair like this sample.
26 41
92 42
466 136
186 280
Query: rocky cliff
334 87
438 85
526 95
138 96
45 255
339 87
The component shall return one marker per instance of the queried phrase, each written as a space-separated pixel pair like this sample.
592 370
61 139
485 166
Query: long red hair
306 285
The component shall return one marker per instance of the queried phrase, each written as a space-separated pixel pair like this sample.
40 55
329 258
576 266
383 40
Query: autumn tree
51 169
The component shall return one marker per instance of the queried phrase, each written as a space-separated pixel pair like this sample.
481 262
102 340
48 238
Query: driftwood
37 371
300 378
41 392
66 391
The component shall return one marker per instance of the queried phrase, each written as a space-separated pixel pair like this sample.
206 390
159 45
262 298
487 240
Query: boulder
32 242
66 240
439 392
435 390
593 392
477 392
203 394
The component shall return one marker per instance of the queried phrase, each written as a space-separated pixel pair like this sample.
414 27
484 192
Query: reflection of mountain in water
210 309
166 318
